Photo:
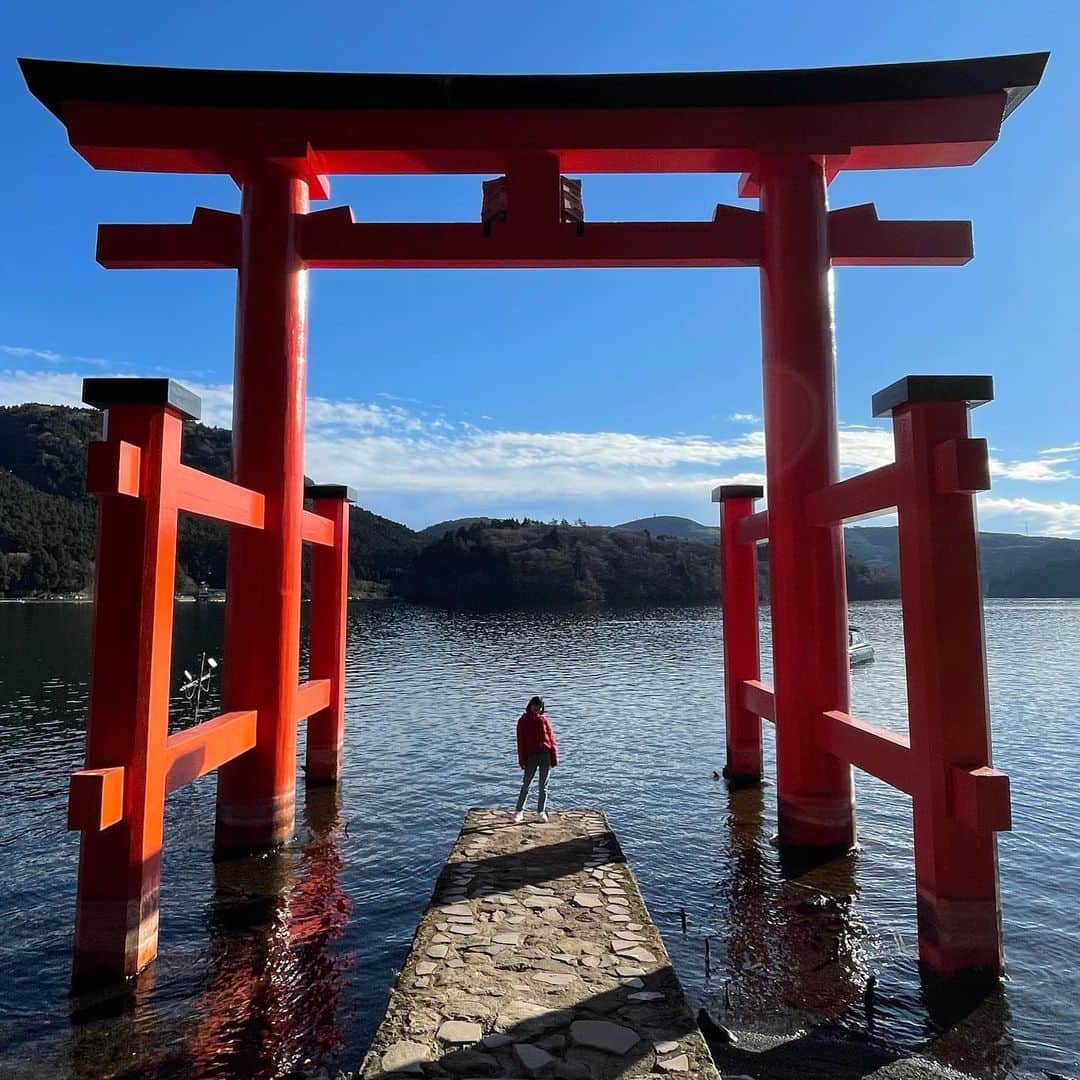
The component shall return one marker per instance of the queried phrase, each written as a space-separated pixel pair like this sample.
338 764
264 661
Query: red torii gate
279 134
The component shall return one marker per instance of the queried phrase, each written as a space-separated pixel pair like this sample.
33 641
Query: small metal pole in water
199 688
682 916
195 685
868 1001
708 959
205 662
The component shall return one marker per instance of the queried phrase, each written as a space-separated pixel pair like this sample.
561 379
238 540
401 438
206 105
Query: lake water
274 965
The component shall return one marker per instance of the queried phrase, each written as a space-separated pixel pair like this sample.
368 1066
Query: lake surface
279 964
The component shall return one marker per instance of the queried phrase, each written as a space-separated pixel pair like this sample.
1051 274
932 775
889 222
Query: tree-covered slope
46 540
48 522
1012 565
511 564
47 525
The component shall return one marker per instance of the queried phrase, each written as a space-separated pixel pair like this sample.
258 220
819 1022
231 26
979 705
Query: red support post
742 659
533 192
116 907
938 468
257 794
806 562
329 602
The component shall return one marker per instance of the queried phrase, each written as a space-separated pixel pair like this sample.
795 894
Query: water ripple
275 964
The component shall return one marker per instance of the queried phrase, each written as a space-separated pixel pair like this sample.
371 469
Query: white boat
859 650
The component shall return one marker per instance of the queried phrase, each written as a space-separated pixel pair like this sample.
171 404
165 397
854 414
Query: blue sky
603 394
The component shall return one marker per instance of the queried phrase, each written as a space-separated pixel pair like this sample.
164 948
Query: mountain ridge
1012 564
48 522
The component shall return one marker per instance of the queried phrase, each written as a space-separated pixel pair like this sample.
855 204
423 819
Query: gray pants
542 761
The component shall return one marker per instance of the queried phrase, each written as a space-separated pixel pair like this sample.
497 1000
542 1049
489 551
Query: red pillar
742 661
806 563
116 907
534 198
938 469
257 792
329 603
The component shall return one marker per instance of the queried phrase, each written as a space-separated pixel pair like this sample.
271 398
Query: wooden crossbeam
857 237
759 699
874 749
210 496
96 798
331 239
210 242
848 500
752 528
312 697
198 750
316 529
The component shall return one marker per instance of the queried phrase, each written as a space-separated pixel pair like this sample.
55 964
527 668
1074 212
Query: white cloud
863 448
21 352
45 387
744 418
65 388
1047 467
1044 518
383 447
25 353
1036 471
353 414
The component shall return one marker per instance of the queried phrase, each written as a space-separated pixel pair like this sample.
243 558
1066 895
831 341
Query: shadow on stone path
537 957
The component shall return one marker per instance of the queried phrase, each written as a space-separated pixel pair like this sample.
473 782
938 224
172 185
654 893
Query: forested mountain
48 522
511 564
441 528
47 525
668 525
46 541
505 564
46 519
1012 565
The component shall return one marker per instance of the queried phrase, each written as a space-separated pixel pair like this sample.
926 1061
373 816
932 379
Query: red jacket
533 735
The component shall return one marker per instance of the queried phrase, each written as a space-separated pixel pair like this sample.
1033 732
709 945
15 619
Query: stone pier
537 957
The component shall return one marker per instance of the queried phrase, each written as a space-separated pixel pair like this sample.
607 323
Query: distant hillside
511 564
680 527
875 545
47 526
441 528
46 540
380 550
1012 565
1030 565
48 522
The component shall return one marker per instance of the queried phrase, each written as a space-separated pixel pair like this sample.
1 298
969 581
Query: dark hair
535 701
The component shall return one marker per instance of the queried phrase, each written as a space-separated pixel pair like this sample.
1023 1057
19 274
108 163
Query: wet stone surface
524 964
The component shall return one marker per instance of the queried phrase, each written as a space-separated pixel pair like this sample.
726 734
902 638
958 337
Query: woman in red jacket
537 750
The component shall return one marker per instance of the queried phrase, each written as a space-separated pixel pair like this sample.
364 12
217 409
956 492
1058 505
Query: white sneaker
519 817
543 819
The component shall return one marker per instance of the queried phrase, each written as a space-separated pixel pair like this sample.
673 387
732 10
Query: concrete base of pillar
246 827
814 831
323 764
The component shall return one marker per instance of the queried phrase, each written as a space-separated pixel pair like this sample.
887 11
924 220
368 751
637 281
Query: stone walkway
537 957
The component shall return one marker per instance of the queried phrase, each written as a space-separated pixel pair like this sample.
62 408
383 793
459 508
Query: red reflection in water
795 943
272 1002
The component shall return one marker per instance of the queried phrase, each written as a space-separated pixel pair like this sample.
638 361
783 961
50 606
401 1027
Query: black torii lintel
54 82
